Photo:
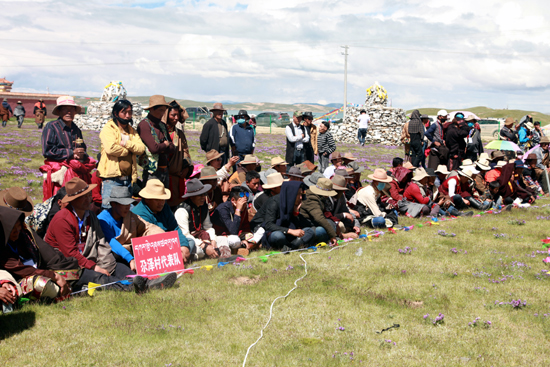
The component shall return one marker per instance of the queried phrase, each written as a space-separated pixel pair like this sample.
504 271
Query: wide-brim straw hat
121 195
154 189
419 174
466 173
335 155
339 183
156 100
278 161
509 121
249 159
208 173
195 188
497 154
274 180
213 154
349 157
323 187
530 126
76 188
409 166
17 198
484 156
483 164
467 163
217 107
66 101
544 139
380 175
501 164
442 169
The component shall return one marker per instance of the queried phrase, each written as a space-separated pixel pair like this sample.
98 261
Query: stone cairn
99 113
385 125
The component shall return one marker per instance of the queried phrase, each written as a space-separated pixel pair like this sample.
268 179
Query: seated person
249 163
337 211
295 174
250 186
348 158
417 197
9 291
451 190
230 219
521 191
214 160
279 165
401 177
154 209
354 183
307 168
442 174
271 188
40 218
337 162
31 268
396 163
496 156
312 179
193 219
313 207
495 173
120 225
285 227
370 196
214 196
532 174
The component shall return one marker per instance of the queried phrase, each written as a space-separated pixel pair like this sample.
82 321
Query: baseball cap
442 113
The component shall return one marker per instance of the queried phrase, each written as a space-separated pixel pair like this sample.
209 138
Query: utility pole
345 53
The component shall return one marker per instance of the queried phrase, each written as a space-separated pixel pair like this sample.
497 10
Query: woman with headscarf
180 166
120 147
416 133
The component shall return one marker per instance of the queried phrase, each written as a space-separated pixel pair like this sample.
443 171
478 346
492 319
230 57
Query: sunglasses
243 194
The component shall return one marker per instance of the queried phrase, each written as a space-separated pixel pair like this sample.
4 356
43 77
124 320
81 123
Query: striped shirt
58 140
325 143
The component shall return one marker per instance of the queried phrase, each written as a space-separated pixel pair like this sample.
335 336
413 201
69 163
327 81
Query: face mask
123 121
240 121
471 124
380 186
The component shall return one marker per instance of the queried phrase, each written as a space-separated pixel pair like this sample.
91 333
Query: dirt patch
244 280
413 304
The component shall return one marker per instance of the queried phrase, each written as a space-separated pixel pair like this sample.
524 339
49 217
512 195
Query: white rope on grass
285 296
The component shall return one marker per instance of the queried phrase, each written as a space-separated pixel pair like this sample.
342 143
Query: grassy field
332 319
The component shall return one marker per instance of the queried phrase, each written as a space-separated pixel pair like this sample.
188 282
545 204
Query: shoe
509 207
467 214
286 250
165 281
140 284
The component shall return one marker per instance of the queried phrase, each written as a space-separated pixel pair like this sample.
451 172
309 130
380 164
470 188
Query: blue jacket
243 138
111 230
165 220
7 106
523 137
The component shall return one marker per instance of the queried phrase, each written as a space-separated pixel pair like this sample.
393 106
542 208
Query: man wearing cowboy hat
295 174
214 134
313 207
279 165
214 160
417 196
120 225
310 146
40 113
296 137
354 183
194 221
436 135
506 133
154 209
530 174
368 198
158 144
242 136
337 162
271 188
19 113
249 163
345 222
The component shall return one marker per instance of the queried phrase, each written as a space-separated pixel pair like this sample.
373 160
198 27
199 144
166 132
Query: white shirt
297 136
364 120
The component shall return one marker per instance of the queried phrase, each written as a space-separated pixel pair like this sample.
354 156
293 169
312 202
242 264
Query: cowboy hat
274 180
19 102
530 126
431 172
156 100
307 115
467 163
544 139
509 121
264 174
355 167
531 156
483 164
339 183
312 179
17 198
154 189
41 100
323 187
295 172
483 156
349 157
501 164
121 195
419 174
212 155
278 161
249 159
195 188
471 118
335 155
208 173
307 167
380 175
442 169
466 173
66 101
409 166
342 172
497 154
76 188
217 107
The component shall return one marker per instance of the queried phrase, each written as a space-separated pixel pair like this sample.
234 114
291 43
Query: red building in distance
27 99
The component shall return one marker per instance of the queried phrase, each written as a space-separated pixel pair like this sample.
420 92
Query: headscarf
415 124
287 197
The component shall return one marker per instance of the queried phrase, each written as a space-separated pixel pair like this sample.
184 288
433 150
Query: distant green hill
489 112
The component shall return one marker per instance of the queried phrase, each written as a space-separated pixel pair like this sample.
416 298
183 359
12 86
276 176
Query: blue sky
426 53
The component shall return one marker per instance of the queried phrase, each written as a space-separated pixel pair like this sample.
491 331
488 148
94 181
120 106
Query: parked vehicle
277 119
197 114
491 127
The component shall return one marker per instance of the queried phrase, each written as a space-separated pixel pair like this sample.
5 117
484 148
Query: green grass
489 112
211 317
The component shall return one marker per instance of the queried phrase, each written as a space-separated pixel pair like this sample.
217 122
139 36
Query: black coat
289 157
454 138
269 213
210 136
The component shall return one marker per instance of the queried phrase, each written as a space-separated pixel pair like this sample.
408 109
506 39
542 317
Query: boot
476 204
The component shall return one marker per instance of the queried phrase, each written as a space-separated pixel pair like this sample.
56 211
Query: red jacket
444 187
413 194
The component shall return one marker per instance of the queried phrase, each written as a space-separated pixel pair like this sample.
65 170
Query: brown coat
405 137
313 138
134 226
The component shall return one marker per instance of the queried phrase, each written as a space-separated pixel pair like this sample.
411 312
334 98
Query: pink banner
159 253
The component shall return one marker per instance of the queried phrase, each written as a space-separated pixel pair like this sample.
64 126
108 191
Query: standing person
311 146
454 140
506 133
425 142
19 113
120 147
364 121
325 145
180 166
214 133
242 136
537 133
296 136
158 144
5 111
40 112
474 146
406 140
439 153
416 132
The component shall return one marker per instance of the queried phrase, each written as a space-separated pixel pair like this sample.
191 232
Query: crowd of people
91 210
